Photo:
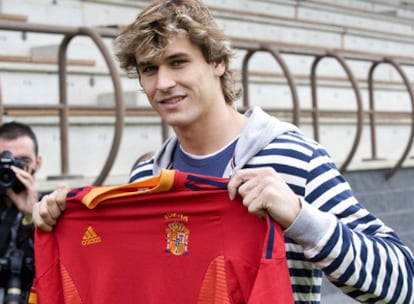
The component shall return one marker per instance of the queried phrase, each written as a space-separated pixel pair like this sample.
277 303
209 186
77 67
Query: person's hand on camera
25 199
47 211
263 190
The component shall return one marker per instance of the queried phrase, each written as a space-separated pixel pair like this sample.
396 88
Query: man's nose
165 79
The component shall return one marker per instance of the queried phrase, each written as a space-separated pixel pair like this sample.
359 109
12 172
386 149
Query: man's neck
212 135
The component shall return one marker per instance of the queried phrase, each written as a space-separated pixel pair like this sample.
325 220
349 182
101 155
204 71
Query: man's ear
219 67
39 162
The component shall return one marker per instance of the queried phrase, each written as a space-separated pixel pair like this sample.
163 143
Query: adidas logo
90 237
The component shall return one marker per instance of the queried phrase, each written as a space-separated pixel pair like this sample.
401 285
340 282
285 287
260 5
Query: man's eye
176 63
148 69
27 161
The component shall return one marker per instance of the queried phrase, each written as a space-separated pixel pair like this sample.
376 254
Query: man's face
180 85
22 147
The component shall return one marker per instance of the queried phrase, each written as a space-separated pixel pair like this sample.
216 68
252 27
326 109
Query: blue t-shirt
213 164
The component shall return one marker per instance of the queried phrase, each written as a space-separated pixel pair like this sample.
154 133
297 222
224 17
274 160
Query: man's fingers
53 210
234 184
61 193
241 177
49 209
41 216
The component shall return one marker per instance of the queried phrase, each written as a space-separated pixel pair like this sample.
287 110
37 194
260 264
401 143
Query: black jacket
16 249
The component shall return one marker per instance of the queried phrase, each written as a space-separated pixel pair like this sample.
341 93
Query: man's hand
47 211
24 200
263 190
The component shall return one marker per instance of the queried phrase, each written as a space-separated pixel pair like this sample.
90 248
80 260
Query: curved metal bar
411 138
314 93
64 111
276 55
360 113
119 102
295 99
241 44
245 78
63 101
360 110
372 114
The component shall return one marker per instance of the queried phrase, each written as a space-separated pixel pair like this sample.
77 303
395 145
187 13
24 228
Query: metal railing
251 47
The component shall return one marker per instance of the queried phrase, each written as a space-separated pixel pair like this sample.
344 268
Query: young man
182 59
19 162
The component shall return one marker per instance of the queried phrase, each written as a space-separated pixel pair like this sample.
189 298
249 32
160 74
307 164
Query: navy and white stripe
359 254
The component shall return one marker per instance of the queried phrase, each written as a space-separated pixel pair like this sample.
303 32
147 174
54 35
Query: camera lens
6 178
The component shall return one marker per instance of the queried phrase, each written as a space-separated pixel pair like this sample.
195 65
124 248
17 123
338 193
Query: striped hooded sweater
333 235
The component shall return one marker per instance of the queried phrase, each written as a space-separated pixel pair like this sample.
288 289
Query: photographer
19 161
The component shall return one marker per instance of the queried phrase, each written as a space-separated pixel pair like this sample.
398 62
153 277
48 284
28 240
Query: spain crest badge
177 234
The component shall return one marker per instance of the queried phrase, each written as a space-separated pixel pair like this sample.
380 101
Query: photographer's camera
7 177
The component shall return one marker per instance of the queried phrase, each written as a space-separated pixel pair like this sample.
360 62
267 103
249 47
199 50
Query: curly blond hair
155 26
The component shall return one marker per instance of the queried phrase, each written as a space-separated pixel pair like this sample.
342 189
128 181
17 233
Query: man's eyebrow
142 63
168 58
177 56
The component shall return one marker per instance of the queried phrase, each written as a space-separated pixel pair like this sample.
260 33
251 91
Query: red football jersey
173 238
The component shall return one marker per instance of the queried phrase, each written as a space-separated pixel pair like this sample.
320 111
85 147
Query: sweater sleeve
356 250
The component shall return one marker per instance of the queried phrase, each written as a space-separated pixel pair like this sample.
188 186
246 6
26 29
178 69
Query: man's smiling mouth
172 100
